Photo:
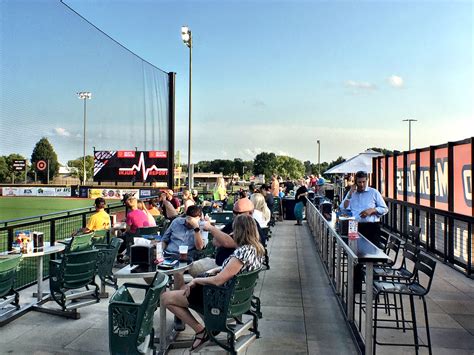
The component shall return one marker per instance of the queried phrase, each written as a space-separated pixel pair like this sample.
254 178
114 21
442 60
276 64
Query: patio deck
300 312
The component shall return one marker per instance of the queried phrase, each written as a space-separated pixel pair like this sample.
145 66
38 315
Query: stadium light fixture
187 38
84 95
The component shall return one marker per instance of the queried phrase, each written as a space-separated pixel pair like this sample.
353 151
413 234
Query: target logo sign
41 165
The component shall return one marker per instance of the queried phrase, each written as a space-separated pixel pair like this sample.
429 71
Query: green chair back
148 230
165 226
222 217
100 236
80 243
106 258
232 300
8 267
79 268
129 322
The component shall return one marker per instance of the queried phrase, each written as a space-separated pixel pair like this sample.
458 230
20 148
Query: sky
277 76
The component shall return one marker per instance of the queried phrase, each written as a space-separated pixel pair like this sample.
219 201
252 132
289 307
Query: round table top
128 271
46 250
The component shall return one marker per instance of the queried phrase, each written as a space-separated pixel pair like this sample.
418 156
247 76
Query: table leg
39 276
162 329
369 280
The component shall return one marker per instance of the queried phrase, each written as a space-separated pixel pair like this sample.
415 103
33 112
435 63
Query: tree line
43 150
264 163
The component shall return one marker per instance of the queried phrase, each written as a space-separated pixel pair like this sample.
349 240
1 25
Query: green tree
265 163
288 166
4 170
79 165
44 151
19 176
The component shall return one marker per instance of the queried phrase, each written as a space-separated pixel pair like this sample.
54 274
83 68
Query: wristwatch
197 229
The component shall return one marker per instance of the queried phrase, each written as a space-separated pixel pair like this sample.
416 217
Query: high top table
368 254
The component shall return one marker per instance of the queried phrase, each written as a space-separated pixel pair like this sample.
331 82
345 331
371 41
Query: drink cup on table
183 252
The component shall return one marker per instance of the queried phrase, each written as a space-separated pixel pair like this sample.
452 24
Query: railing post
350 289
10 239
338 268
52 232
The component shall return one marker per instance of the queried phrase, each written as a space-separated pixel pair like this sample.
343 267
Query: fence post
10 239
52 232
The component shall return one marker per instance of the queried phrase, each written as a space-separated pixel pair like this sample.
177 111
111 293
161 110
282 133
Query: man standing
367 206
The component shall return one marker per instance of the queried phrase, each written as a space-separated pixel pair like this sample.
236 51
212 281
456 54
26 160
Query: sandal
199 340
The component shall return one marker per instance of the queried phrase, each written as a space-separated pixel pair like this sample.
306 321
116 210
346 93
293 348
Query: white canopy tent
361 162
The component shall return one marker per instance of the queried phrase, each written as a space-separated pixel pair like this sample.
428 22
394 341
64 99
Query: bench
130 323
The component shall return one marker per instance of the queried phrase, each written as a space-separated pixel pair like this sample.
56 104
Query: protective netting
48 53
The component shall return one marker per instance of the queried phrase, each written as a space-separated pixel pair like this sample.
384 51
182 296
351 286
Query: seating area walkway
300 312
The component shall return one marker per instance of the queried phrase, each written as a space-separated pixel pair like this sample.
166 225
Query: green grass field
18 207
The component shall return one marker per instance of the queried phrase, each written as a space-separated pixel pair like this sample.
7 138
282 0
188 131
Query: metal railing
54 226
448 235
339 262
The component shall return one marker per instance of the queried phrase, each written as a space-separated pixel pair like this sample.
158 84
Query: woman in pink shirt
135 218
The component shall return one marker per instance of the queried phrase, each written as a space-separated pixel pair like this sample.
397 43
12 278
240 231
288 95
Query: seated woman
261 213
151 220
247 257
187 200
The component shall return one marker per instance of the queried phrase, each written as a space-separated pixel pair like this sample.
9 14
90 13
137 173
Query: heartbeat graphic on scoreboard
153 170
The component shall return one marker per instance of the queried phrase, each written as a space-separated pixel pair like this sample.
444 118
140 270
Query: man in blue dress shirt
367 206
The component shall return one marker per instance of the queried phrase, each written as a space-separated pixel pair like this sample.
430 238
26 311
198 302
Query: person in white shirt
261 212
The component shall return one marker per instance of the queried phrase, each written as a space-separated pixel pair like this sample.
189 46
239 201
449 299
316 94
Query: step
80 294
244 342
4 303
242 328
76 305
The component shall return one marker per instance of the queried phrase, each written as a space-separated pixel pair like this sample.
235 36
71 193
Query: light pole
319 157
187 38
84 95
409 120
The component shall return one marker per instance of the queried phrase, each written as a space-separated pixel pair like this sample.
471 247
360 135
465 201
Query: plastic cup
205 237
183 252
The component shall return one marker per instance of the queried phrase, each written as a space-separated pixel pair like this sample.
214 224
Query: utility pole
409 120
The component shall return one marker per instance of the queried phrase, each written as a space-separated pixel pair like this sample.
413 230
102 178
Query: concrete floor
300 312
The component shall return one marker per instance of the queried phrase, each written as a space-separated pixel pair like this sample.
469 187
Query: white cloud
360 85
395 81
61 132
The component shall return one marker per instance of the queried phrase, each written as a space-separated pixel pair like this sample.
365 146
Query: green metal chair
106 259
8 296
222 217
149 232
232 301
166 223
100 236
131 323
74 271
79 242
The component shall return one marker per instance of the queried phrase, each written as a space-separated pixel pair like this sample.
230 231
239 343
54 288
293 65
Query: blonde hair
187 195
246 233
260 205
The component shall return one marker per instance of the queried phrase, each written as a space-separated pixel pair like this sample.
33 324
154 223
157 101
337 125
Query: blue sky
278 75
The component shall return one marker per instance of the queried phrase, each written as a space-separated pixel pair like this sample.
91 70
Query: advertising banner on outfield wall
37 191
112 193
406 175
